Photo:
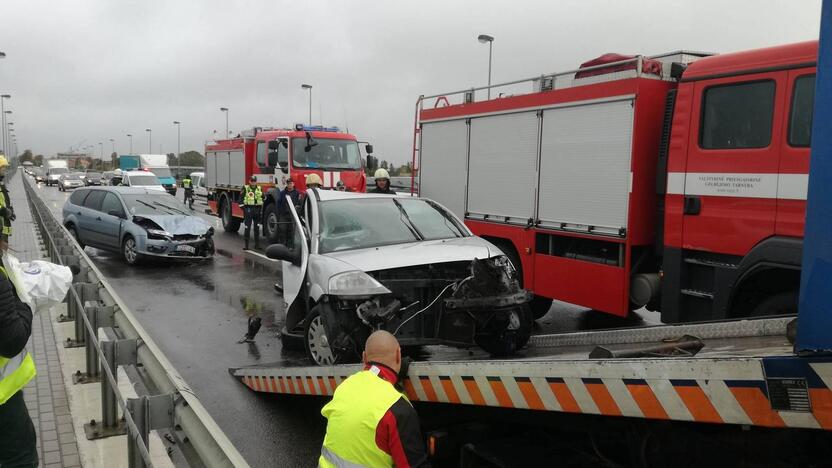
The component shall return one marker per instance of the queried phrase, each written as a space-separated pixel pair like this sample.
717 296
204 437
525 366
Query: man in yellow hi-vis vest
370 423
6 211
252 206
17 433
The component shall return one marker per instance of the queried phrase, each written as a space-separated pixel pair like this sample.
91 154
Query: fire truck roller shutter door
444 163
585 165
237 168
503 148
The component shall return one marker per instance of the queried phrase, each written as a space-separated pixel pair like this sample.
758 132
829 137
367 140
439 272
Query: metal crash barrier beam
93 305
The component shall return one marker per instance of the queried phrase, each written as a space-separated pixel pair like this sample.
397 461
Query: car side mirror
368 148
281 252
116 213
274 144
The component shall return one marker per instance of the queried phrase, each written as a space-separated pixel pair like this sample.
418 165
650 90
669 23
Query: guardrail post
85 292
116 353
148 413
98 316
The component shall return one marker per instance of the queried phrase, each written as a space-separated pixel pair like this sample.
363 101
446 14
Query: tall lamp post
178 151
309 87
149 140
130 135
483 38
9 133
225 109
3 116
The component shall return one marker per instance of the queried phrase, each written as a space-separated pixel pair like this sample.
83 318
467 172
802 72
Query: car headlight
355 283
158 234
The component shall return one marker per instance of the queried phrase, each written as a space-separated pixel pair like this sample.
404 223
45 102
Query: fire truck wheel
270 223
229 222
505 337
540 306
784 303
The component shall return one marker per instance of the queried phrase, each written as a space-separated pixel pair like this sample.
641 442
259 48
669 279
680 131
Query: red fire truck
676 182
273 156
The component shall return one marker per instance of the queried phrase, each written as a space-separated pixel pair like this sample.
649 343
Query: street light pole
3 117
149 140
225 109
483 38
178 150
130 135
7 128
309 87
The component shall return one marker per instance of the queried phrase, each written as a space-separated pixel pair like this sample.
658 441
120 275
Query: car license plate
186 248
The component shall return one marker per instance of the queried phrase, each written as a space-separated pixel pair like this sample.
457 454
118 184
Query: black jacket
282 206
379 190
15 320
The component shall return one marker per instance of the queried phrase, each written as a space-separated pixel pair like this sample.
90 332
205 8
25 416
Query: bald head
383 347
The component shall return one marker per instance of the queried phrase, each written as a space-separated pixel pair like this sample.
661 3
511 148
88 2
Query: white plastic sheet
39 284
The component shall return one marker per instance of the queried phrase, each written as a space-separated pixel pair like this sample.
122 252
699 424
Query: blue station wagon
137 222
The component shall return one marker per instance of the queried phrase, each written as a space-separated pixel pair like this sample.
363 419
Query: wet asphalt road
196 314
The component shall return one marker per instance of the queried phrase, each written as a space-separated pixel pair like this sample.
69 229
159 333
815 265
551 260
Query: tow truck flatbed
746 373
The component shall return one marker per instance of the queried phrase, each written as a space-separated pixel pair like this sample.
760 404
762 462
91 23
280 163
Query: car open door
295 274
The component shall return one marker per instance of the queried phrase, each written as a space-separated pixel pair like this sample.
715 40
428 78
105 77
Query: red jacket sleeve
399 435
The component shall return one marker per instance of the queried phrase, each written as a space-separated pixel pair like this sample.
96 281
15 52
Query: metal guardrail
92 304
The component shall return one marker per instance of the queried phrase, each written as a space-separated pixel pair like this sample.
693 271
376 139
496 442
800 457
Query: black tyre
784 303
316 341
270 224
74 233
506 333
130 251
540 305
229 222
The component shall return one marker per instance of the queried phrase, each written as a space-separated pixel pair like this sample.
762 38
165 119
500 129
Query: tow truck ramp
746 373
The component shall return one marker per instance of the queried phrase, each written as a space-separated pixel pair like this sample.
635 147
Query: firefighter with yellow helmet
382 182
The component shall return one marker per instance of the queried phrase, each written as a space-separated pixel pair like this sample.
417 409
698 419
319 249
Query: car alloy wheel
131 253
317 343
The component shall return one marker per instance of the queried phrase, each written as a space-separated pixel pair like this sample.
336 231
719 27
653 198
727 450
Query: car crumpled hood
417 253
179 224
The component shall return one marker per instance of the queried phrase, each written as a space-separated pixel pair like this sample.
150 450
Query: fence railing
92 305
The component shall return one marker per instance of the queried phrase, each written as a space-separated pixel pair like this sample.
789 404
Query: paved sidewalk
45 395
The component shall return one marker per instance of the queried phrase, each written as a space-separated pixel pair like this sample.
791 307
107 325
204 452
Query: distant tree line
372 163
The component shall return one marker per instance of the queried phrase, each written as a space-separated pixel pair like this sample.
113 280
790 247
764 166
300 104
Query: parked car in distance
69 180
54 173
106 177
407 265
92 178
198 181
138 223
39 174
143 179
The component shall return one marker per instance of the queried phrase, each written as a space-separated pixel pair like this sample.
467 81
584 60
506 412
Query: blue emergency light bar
315 128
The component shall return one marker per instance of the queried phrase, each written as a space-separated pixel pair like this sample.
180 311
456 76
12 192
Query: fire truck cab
675 182
274 156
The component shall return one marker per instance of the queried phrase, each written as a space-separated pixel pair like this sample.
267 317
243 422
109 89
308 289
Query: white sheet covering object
39 284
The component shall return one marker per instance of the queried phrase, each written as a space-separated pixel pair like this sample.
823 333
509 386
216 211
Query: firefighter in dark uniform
18 442
252 206
187 184
382 182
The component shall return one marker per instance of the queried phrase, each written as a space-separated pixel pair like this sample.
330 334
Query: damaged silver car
364 262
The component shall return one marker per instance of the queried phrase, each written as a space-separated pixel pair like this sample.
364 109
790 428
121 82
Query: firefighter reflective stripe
353 416
15 373
329 459
7 227
253 196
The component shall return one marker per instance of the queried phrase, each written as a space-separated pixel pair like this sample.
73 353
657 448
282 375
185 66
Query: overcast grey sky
99 69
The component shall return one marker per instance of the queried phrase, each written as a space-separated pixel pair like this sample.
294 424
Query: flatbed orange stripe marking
474 391
699 404
281 385
430 393
448 386
332 384
273 384
500 392
564 396
321 385
409 390
299 385
290 385
311 384
257 383
757 407
248 382
822 406
602 398
647 402
530 395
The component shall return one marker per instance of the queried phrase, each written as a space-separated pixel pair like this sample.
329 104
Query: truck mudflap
751 380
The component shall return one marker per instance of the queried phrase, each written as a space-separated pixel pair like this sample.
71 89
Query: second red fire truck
273 156
675 182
